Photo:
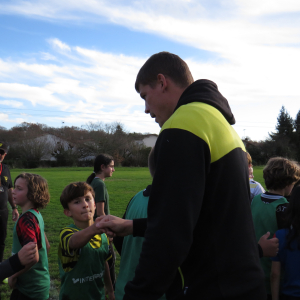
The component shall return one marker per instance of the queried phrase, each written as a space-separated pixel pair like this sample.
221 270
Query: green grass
122 186
258 175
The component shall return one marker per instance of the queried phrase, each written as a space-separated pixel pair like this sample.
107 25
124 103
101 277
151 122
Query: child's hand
12 281
27 254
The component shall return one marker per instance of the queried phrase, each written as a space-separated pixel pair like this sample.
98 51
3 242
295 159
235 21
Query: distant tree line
38 145
285 141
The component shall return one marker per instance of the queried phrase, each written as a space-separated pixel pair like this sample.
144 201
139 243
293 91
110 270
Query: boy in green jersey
280 175
83 249
31 194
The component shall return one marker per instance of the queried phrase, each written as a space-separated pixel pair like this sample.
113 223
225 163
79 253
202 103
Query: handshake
114 226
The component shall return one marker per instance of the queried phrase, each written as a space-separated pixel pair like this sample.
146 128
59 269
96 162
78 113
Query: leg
3 228
17 295
111 264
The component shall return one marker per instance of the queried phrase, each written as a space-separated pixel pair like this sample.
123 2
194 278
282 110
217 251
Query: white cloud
47 56
268 7
35 95
259 57
5 120
11 103
59 44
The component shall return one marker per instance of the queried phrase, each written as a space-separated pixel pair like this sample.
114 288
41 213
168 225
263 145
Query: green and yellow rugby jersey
69 257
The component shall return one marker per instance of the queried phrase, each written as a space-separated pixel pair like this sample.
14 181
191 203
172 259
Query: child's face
109 169
20 192
82 208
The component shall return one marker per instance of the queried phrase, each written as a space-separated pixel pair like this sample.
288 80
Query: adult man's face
2 155
156 103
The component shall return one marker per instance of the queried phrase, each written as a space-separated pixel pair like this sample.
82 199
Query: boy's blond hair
73 191
249 158
38 192
280 172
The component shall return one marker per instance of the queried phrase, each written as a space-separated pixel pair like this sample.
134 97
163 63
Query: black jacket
199 217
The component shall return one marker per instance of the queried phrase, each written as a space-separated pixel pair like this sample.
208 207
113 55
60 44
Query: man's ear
162 81
67 213
102 167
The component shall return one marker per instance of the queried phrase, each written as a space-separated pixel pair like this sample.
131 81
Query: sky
71 62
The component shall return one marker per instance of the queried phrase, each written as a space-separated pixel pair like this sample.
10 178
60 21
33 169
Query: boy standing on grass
33 282
280 175
83 249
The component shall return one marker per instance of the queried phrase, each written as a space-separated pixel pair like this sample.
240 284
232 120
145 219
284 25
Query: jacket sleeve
182 161
10 266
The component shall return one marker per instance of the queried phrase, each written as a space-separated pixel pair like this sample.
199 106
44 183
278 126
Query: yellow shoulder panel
209 124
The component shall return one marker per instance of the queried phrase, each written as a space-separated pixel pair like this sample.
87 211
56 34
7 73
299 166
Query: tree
281 143
297 134
30 151
285 124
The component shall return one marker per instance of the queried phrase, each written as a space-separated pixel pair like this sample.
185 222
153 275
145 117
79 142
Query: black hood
206 91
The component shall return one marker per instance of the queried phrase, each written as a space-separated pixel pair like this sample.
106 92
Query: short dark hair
38 191
73 191
168 64
280 172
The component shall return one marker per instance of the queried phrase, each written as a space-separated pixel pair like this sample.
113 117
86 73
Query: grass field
124 184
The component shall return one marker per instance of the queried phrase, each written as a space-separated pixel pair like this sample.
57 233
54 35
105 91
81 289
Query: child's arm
47 243
13 279
275 279
82 237
107 283
100 209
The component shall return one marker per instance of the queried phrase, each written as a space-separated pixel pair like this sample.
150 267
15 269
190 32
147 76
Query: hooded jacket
199 218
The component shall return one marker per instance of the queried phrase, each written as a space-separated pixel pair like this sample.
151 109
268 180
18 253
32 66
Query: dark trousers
3 229
286 297
17 295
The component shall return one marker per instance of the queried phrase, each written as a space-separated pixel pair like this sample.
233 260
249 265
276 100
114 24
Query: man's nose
147 109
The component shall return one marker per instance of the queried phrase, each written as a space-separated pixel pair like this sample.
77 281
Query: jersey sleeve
99 192
28 230
68 257
64 239
255 189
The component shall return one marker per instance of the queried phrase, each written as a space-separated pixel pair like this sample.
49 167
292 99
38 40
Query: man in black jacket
199 219
5 194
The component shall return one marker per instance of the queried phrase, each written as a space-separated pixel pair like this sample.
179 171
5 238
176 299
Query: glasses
2 152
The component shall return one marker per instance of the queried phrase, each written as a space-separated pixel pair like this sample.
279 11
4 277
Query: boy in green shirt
83 248
280 175
31 194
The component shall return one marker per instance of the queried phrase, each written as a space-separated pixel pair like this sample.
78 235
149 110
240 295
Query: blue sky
76 62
